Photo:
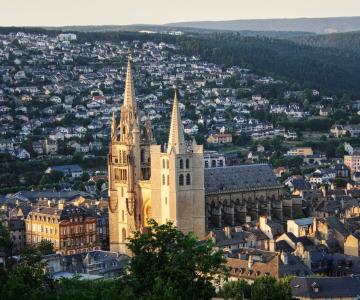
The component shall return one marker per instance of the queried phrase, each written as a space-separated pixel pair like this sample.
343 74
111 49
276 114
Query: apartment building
71 229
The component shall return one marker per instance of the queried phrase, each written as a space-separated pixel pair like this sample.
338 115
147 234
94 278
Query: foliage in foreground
264 288
167 264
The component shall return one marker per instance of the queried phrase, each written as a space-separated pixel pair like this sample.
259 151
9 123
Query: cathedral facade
146 182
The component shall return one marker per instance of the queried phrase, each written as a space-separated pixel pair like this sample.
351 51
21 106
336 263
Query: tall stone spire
176 135
129 94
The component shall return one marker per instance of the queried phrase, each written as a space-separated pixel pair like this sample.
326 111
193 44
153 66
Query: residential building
68 170
352 162
352 244
213 159
300 151
299 227
90 265
69 228
220 138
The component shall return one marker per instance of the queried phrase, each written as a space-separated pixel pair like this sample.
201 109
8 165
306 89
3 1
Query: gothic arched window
181 163
167 164
124 160
119 156
163 163
123 235
168 180
188 179
213 163
187 163
163 180
181 179
142 155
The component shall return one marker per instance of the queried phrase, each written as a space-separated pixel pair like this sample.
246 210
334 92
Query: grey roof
335 224
67 168
345 264
328 287
49 194
242 177
69 211
304 221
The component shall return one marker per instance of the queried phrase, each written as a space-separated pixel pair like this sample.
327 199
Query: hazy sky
118 12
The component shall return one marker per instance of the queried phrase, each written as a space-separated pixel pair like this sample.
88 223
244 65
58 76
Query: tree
45 247
85 176
99 184
45 179
266 288
78 158
55 176
6 244
168 264
27 280
242 139
236 290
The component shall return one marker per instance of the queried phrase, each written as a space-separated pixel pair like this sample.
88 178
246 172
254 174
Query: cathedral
147 181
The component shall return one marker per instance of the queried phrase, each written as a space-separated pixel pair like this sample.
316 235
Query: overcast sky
120 12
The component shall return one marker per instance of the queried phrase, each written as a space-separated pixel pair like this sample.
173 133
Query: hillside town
294 158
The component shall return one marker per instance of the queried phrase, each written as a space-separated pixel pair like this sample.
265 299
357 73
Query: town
290 208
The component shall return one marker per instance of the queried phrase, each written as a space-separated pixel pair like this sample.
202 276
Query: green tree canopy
168 264
45 247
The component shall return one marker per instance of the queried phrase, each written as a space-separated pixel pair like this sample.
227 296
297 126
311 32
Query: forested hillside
349 41
333 70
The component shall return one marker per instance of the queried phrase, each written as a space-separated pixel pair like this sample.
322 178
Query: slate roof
67 168
241 177
335 224
235 238
328 287
49 194
345 264
283 246
300 184
304 221
69 211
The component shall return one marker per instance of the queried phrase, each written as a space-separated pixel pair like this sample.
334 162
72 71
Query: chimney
61 204
227 232
315 287
284 258
250 261
272 245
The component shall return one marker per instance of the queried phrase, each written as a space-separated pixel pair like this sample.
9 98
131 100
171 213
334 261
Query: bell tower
124 171
178 180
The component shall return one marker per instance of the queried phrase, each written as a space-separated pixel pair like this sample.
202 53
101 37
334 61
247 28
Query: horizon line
179 22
